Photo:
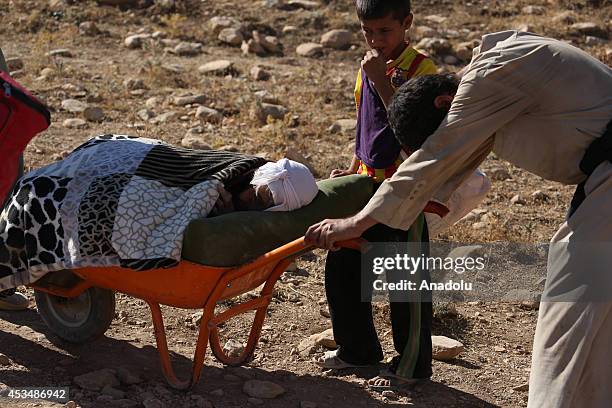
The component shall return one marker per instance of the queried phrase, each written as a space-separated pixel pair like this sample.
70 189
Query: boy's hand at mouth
374 64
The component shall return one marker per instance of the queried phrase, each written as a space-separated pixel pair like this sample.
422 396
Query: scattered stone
132 84
479 225
267 97
233 348
164 117
88 28
498 173
145 114
97 380
153 102
231 36
56 5
252 47
189 100
259 74
208 115
14 64
525 28
170 42
62 52
434 18
218 23
262 389
517 200
533 10
288 29
115 393
4 360
263 110
308 404
269 43
73 105
539 195
425 31
389 394
136 41
309 50
566 17
187 49
70 404
94 114
438 46
445 349
74 123
166 5
343 125
588 29
47 72
219 67
499 349
174 68
337 39
217 393
128 378
592 40
300 4
309 344
193 141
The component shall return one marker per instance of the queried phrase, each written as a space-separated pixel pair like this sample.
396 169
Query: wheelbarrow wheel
80 319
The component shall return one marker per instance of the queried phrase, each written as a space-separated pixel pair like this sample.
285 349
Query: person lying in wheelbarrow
126 201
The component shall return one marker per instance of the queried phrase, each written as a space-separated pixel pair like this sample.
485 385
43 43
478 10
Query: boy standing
389 63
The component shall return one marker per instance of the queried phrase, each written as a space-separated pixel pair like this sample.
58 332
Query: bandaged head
291 183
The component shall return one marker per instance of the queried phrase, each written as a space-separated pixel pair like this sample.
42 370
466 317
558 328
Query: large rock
218 67
425 32
135 41
309 344
343 125
74 123
233 348
262 389
463 51
4 360
252 47
73 105
534 10
61 52
208 115
338 39
499 173
97 380
189 100
218 23
263 110
231 36
187 49
88 28
445 349
309 50
589 28
434 18
565 17
94 114
259 74
194 141
294 154
438 46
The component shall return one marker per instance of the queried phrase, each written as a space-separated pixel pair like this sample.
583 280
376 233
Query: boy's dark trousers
352 319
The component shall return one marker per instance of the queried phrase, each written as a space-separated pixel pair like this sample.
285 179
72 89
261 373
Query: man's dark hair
374 9
412 113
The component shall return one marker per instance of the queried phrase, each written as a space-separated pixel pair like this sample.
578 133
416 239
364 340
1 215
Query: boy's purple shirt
376 144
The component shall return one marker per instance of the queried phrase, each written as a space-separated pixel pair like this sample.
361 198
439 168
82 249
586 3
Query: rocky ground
273 78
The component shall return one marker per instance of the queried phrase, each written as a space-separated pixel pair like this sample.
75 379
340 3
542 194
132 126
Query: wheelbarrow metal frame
231 282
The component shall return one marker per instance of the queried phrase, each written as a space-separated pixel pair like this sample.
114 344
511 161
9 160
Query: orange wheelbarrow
79 305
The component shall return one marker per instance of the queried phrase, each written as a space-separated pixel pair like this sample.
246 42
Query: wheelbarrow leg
260 304
164 355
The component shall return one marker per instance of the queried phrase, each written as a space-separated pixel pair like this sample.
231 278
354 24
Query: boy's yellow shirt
403 62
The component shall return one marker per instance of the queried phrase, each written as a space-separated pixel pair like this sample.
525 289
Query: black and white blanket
114 201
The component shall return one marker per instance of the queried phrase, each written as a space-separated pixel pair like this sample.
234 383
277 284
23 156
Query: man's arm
452 152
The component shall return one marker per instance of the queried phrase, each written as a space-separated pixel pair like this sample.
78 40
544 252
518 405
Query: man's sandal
387 380
331 361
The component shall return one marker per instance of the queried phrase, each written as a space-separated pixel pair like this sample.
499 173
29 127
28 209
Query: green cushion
236 238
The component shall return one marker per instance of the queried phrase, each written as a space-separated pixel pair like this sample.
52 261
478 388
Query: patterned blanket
115 200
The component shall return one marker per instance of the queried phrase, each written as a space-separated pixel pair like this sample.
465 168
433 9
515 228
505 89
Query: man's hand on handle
327 233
